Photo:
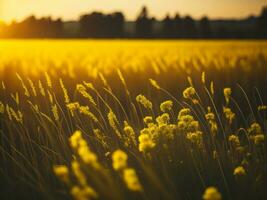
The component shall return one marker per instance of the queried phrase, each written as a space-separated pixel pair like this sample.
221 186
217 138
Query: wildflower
75 139
262 107
163 119
239 171
259 139
148 120
78 173
119 160
195 138
211 193
227 93
129 131
254 129
234 140
131 180
166 106
229 114
83 193
154 84
66 96
183 112
144 101
189 93
145 143
62 172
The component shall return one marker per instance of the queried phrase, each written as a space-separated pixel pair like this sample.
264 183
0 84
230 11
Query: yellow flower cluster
229 115
210 117
79 145
62 172
130 134
166 106
119 160
119 163
190 127
144 101
189 93
131 179
211 193
145 142
227 94
239 171
234 140
256 133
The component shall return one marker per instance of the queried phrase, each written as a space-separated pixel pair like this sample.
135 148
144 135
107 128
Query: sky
72 9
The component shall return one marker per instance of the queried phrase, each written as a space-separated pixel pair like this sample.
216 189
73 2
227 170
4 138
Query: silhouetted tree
178 26
98 25
262 23
204 28
168 28
189 26
144 25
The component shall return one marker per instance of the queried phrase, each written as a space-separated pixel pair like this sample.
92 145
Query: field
118 119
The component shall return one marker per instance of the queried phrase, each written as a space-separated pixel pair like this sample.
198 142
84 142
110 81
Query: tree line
114 25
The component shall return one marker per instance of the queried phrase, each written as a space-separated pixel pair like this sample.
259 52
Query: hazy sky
71 9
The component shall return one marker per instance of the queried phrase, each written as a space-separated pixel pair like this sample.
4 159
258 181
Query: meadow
121 119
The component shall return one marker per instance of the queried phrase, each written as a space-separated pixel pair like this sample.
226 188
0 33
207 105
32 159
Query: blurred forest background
114 25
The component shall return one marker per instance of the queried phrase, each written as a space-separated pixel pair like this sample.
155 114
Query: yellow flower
189 93
119 160
259 139
227 93
163 119
229 114
183 112
83 193
148 120
255 129
62 172
211 193
234 140
239 171
145 143
166 106
131 180
144 101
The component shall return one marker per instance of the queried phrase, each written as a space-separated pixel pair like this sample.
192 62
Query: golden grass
133 119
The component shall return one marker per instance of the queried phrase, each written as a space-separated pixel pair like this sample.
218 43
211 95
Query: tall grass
136 133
